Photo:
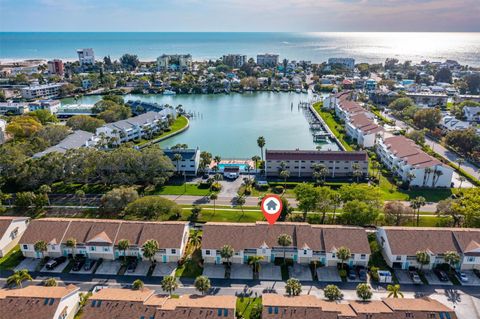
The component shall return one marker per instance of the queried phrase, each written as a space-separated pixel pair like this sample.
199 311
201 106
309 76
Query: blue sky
239 15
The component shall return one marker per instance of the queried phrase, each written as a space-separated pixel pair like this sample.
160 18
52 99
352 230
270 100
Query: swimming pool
242 167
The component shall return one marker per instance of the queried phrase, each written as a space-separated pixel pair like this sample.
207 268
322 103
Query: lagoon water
372 47
229 125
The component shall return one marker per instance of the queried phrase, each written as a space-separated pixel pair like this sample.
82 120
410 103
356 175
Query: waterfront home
401 244
98 238
15 108
189 162
134 128
429 99
370 85
40 302
121 303
267 60
310 306
472 113
234 60
309 242
86 56
348 63
69 110
41 91
451 123
464 97
411 164
174 62
301 163
75 140
50 105
362 129
11 229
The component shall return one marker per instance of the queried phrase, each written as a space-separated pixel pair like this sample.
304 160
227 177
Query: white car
463 276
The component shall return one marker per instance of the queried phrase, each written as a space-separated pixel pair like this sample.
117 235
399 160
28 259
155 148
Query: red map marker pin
272 207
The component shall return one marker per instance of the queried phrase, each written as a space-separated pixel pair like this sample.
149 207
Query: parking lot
29 264
241 271
214 271
109 267
140 270
473 280
403 276
270 272
433 279
328 274
57 269
301 272
164 269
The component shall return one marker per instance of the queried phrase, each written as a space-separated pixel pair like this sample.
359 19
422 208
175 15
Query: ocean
371 47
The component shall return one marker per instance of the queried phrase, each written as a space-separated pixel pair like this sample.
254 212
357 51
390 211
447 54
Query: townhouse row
121 303
399 154
97 238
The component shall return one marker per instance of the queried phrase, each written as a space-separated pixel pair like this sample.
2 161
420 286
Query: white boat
169 92
298 91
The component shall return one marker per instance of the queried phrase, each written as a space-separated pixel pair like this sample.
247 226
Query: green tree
256 312
150 248
332 293
293 287
123 245
226 252
343 254
285 174
284 240
50 282
24 200
427 118
195 212
452 258
18 278
84 123
394 291
40 247
416 204
137 284
396 213
444 75
195 238
447 208
23 126
153 208
45 190
358 213
177 157
307 198
254 262
44 116
261 144
423 258
80 194
401 103
213 197
72 244
202 284
364 291
169 284
240 201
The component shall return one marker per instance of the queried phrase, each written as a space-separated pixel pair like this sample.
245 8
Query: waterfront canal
228 125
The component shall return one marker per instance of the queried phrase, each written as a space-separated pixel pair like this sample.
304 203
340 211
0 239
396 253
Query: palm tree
217 159
213 197
364 291
226 252
428 171
169 284
436 177
461 179
177 158
285 174
336 201
452 258
261 143
254 261
72 244
45 189
293 287
50 282
256 158
376 168
195 238
41 247
423 258
123 245
320 172
343 253
460 162
240 201
284 240
18 278
80 194
357 171
394 291
417 203
410 177
150 248
202 284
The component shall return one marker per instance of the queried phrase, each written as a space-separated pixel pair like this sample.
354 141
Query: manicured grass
191 268
180 189
235 216
245 305
12 259
180 123
332 125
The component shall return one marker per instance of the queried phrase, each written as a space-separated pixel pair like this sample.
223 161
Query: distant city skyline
236 15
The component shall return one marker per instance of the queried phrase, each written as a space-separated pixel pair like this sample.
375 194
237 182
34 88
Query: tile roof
254 235
5 222
362 122
272 155
408 151
104 231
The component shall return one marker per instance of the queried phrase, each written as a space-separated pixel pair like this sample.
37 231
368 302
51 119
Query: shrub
374 273
216 187
342 273
278 189
332 292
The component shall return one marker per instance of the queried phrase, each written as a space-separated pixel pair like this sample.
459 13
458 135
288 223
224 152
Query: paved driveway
241 271
214 271
57 269
433 279
230 187
328 274
403 276
141 270
270 272
301 272
29 264
164 269
473 279
109 267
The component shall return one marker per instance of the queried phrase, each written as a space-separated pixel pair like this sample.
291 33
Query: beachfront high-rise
86 56
55 67
267 59
234 60
174 62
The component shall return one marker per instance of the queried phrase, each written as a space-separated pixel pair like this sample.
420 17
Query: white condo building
86 56
41 91
349 63
174 62
267 59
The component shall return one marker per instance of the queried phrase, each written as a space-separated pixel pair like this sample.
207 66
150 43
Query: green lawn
332 124
180 123
245 306
191 267
235 216
12 259
181 189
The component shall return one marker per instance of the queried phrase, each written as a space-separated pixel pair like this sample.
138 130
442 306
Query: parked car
477 272
463 276
53 263
89 264
415 277
352 275
78 263
441 275
132 266
362 274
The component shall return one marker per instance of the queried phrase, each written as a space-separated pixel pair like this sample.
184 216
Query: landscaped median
181 124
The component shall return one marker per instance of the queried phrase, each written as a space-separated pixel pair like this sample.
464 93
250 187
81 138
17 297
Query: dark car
132 266
351 274
441 275
53 263
77 264
362 274
88 264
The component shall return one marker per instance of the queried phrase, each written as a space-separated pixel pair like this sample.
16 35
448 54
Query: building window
471 259
304 251
276 310
363 256
174 251
333 255
92 248
399 258
207 252
105 249
25 247
270 310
